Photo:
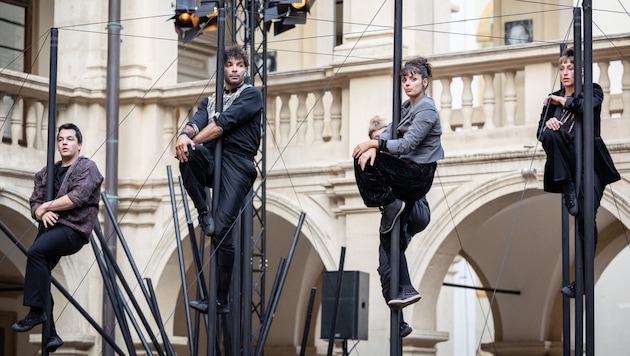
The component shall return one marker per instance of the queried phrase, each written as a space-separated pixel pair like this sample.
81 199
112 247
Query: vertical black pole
216 183
566 268
50 160
588 210
395 341
307 322
246 281
577 135
333 322
111 150
180 256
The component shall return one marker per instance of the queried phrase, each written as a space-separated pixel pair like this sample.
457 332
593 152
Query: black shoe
30 321
223 308
570 201
206 223
390 213
569 290
407 296
54 342
405 329
200 305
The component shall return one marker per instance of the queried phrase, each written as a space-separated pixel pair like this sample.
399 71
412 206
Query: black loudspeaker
352 314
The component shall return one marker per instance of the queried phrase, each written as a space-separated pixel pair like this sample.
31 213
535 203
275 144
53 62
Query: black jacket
603 163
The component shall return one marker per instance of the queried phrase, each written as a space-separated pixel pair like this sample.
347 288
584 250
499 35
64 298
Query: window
14 35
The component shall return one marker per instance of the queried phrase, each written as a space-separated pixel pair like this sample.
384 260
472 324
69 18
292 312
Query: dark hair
74 127
418 65
236 52
567 56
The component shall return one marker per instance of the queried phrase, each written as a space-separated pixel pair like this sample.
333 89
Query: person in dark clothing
239 129
65 224
419 218
393 174
555 131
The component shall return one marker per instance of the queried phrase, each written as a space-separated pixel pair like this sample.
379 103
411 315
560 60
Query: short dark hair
568 56
236 52
74 127
418 65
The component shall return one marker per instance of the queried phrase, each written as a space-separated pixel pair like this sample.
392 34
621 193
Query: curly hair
236 52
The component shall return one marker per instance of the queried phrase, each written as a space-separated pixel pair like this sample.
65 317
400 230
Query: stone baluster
467 103
17 114
488 100
31 123
301 119
446 105
509 98
604 81
285 118
318 119
625 88
169 132
271 118
44 129
335 115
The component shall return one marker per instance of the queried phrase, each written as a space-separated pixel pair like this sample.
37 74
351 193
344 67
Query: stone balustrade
480 90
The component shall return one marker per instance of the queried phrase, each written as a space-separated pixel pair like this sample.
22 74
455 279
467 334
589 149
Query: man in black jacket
239 129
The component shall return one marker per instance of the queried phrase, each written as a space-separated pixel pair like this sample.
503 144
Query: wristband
382 145
184 133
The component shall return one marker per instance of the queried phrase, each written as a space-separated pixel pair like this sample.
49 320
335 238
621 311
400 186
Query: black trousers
392 178
560 163
47 249
238 174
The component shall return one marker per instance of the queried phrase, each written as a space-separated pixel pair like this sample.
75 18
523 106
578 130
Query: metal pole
307 322
246 281
275 297
216 183
65 293
50 163
588 213
333 322
114 266
577 136
117 300
136 272
395 341
111 148
180 256
201 282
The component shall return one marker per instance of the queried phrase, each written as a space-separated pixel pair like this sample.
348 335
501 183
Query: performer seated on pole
418 220
65 225
393 174
239 129
555 131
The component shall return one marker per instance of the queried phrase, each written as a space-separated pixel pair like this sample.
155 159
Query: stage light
285 14
191 21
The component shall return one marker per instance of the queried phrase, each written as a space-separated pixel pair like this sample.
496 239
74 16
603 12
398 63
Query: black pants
237 177
238 174
391 178
49 246
560 163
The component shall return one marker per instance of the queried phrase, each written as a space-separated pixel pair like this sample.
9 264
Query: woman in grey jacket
393 173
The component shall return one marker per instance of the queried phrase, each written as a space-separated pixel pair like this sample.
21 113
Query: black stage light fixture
192 21
285 14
